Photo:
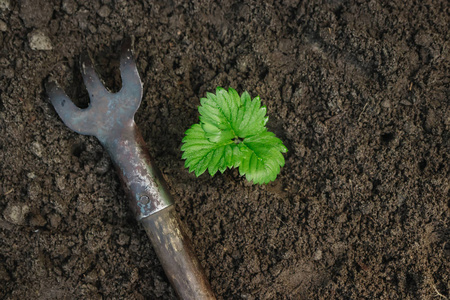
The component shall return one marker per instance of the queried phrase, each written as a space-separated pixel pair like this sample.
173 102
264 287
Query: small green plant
232 133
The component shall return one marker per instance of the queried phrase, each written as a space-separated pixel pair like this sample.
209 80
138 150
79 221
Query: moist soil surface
357 90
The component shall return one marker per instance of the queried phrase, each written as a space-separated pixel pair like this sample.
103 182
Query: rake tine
96 89
131 82
74 117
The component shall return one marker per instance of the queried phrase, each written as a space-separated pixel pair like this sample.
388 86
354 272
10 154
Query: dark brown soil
357 90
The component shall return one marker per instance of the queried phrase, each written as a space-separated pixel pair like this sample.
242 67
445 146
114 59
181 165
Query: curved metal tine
95 87
74 117
131 82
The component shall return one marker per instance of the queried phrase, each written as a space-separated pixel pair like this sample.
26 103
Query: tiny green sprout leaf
232 133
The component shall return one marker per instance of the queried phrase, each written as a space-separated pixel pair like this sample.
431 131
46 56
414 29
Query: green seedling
232 133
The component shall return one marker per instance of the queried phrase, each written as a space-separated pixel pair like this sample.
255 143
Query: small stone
123 239
92 28
102 166
82 18
84 204
386 104
104 11
317 255
4 62
86 208
432 120
15 213
242 63
55 220
60 182
69 6
134 275
342 218
9 73
34 191
423 39
319 127
4 4
367 208
405 102
104 29
39 41
3 26
92 276
36 148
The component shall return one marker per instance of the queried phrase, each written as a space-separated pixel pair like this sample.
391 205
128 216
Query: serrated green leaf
200 153
252 118
232 133
263 158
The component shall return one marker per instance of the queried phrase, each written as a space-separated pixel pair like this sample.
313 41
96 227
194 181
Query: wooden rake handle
175 253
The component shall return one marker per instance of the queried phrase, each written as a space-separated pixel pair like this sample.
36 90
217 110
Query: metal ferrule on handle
146 189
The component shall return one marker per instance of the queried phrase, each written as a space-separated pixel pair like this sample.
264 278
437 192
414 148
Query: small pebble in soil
4 4
39 41
342 218
82 18
104 11
405 102
36 148
318 255
60 182
4 62
92 276
34 191
55 220
69 6
123 239
3 26
86 208
386 104
15 213
102 166
9 73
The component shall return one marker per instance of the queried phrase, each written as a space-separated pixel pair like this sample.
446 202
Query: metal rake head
107 112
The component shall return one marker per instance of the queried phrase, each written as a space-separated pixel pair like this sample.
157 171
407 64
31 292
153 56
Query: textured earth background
357 90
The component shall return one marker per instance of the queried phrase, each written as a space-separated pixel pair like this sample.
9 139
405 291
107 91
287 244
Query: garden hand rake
110 117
